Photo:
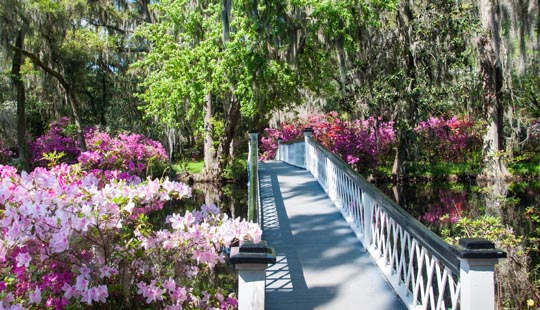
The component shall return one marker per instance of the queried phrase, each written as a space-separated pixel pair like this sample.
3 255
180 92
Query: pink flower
107 272
81 284
179 295
35 296
150 291
95 294
23 259
170 285
69 291
59 242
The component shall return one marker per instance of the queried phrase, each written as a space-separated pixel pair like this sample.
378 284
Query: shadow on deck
320 262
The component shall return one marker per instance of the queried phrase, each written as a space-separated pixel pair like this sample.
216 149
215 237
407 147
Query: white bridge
342 244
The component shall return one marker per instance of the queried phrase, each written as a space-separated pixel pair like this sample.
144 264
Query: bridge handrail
253 179
292 152
437 246
424 270
424 235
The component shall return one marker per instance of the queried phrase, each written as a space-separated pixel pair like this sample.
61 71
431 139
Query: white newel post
308 133
367 206
253 168
279 155
253 143
251 261
477 258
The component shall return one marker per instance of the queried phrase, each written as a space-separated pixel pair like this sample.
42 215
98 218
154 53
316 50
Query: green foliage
236 170
488 227
53 158
517 275
532 243
525 169
442 169
191 167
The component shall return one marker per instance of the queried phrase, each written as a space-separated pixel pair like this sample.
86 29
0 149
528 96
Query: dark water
435 204
230 198
438 204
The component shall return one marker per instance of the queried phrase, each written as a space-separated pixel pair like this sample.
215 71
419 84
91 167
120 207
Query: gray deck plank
320 262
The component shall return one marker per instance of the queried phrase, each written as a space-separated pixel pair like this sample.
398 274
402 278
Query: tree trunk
209 150
225 16
491 77
72 98
74 103
18 83
231 123
342 61
538 29
407 109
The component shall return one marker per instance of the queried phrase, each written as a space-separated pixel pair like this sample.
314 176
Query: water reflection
437 204
230 198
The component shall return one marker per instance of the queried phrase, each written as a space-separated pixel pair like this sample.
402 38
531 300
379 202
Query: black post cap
308 129
477 248
253 131
253 253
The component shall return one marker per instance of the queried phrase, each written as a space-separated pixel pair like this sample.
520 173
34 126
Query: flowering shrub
75 239
448 139
131 153
286 132
58 139
127 152
358 142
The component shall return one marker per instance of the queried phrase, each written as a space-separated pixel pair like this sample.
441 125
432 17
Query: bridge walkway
320 262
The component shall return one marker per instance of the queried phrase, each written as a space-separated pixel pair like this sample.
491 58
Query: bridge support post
251 261
308 133
279 154
477 257
367 205
253 177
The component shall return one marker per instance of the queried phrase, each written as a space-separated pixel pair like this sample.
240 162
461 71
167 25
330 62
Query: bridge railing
251 260
292 152
253 178
424 270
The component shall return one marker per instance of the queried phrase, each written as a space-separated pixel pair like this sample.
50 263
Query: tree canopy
197 74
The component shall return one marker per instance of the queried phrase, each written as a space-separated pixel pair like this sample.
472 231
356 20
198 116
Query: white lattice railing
292 152
425 271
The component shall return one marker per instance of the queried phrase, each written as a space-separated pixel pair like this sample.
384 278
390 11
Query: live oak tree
71 54
215 64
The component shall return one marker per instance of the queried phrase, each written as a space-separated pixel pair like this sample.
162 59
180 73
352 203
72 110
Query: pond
230 198
437 204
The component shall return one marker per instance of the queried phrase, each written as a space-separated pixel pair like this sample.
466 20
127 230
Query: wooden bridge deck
320 262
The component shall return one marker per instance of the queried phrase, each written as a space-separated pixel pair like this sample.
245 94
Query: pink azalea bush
60 139
359 142
131 153
134 153
364 143
448 139
76 239
286 132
